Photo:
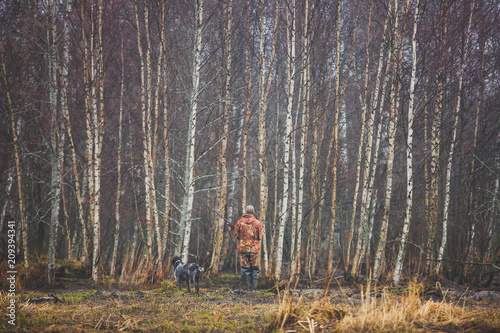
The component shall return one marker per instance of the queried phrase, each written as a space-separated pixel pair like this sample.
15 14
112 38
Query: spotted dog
190 273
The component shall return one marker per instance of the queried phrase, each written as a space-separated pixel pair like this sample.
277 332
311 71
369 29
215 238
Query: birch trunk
87 175
188 197
118 169
359 155
444 238
391 132
263 92
153 103
293 185
287 135
371 162
55 184
470 249
222 191
248 114
64 108
7 205
493 211
154 141
432 210
296 264
145 122
363 219
98 120
409 154
335 142
67 228
24 225
166 164
91 125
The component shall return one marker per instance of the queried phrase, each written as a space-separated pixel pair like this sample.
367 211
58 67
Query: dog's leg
196 284
178 283
187 282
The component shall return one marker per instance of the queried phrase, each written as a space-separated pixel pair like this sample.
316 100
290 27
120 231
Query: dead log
45 299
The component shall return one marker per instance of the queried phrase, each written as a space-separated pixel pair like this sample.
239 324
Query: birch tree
56 182
449 165
409 153
17 157
248 114
370 163
359 155
473 167
7 205
364 168
432 210
263 96
391 133
188 182
166 153
97 121
335 137
145 66
306 83
118 168
222 158
290 85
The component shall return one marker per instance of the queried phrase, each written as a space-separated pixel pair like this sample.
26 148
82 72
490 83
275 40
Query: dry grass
220 308
148 311
383 311
409 312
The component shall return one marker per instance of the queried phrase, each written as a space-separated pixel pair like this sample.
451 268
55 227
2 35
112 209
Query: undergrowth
141 304
382 310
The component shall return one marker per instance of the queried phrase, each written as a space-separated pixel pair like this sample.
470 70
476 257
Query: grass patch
383 310
223 309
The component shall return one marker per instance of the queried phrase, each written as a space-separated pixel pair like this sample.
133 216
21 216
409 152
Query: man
248 231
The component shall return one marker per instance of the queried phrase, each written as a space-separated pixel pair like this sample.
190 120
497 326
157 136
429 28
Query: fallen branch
45 299
493 265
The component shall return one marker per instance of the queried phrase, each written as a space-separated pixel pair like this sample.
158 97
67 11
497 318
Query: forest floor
222 306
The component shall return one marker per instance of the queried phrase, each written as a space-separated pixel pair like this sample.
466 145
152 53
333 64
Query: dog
190 273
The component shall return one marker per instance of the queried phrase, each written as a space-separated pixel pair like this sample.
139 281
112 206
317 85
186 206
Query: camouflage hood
248 219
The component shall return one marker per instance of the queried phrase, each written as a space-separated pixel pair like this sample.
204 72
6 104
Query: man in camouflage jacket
248 231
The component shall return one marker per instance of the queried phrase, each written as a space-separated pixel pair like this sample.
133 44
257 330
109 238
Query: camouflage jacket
248 230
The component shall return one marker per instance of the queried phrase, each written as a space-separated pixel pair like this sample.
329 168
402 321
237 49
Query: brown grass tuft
383 310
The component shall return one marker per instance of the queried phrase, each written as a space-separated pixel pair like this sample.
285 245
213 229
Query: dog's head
176 261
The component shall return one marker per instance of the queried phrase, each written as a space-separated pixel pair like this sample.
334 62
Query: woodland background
365 133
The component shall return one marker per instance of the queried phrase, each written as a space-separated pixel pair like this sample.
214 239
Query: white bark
24 226
365 124
409 155
7 203
187 202
432 210
444 237
391 133
222 191
371 163
97 117
303 141
118 171
263 92
55 185
334 143
288 133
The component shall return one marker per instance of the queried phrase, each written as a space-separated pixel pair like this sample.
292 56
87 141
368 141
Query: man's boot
255 277
245 277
